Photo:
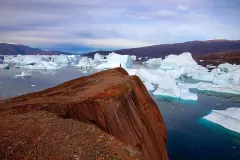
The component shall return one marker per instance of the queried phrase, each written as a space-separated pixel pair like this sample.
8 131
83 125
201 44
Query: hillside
197 48
232 57
14 49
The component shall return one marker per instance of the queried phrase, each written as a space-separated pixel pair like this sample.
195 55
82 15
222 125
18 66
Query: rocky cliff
107 115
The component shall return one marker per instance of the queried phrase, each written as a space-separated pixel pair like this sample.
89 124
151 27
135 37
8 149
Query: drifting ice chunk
229 118
231 77
42 66
24 74
185 93
150 75
85 62
167 87
226 67
221 88
153 63
4 66
149 86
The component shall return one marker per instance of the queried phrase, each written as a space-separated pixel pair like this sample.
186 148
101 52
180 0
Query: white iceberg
226 67
150 75
4 66
149 86
134 58
179 60
185 93
85 62
61 60
24 74
42 66
167 87
221 88
99 58
131 71
229 118
153 63
116 60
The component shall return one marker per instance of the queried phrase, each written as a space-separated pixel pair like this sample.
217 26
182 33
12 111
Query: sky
89 25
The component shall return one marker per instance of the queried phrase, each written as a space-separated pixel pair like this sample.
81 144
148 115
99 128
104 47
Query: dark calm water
189 136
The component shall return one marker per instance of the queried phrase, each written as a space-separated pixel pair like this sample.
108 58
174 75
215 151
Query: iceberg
229 118
4 66
179 60
43 65
149 86
61 60
150 75
226 67
153 63
167 87
116 60
185 93
134 58
24 74
231 77
220 88
124 60
85 62
131 71
99 58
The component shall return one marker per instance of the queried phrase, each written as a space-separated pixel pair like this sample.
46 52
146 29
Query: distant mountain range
197 48
14 49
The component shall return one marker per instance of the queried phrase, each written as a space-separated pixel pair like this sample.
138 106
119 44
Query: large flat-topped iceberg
179 60
221 88
229 118
116 60
167 87
124 60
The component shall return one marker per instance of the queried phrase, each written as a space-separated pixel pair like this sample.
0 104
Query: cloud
164 13
182 8
115 24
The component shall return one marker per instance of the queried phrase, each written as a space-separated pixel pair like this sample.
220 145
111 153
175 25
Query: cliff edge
107 115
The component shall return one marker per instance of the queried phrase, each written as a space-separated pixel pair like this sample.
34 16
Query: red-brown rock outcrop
107 115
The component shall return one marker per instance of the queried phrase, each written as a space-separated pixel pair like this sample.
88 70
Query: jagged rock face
111 100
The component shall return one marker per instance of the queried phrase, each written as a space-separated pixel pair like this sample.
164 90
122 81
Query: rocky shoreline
107 115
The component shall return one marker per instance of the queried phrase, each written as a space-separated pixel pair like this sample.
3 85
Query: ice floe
221 88
85 62
167 87
229 118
